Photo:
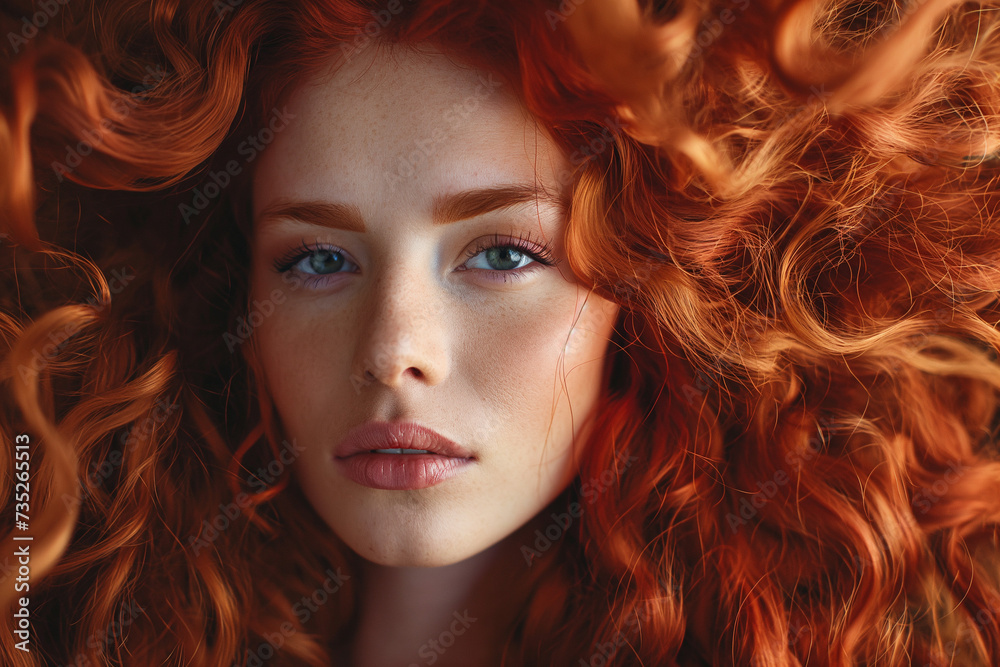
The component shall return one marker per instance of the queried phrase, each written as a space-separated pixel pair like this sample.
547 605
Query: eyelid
295 255
539 251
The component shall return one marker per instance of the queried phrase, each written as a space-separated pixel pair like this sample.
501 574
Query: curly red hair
795 204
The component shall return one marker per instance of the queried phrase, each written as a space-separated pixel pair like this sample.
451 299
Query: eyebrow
445 209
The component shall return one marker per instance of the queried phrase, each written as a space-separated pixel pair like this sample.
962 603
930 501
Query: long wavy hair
796 203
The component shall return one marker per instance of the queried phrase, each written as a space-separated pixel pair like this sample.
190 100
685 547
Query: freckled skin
491 365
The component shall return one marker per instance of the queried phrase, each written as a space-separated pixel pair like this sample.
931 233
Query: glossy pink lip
356 459
395 435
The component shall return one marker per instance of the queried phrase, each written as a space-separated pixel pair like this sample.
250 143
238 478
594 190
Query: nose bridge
401 332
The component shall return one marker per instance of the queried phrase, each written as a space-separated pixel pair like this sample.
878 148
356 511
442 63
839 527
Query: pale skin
498 352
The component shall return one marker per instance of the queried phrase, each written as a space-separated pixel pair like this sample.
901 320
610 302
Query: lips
370 436
370 455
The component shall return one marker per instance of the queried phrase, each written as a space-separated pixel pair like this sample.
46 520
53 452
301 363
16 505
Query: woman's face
400 274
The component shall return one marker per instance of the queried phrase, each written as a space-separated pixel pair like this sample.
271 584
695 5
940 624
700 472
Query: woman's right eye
315 261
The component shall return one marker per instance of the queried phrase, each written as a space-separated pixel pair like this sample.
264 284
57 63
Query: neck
458 614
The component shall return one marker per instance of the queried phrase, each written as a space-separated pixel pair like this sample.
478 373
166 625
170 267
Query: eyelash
539 251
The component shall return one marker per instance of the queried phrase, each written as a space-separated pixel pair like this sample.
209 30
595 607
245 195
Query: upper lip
393 435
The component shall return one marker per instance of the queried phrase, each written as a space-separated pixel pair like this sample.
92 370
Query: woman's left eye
503 257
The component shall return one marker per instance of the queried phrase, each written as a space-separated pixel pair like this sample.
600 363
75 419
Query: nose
402 331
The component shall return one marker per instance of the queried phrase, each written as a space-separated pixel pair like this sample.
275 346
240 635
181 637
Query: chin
396 553
412 543
416 559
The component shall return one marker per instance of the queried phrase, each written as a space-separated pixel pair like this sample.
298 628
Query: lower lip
399 472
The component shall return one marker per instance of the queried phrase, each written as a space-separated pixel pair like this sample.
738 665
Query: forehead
398 125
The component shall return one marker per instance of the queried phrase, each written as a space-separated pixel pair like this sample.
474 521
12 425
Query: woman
281 402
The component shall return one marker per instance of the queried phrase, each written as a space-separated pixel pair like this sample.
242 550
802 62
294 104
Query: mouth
401 438
421 457
399 451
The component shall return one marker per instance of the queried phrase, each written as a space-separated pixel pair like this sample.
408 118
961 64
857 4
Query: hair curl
795 204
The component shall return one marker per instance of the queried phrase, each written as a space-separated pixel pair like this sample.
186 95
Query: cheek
588 341
529 363
518 354
584 355
304 363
